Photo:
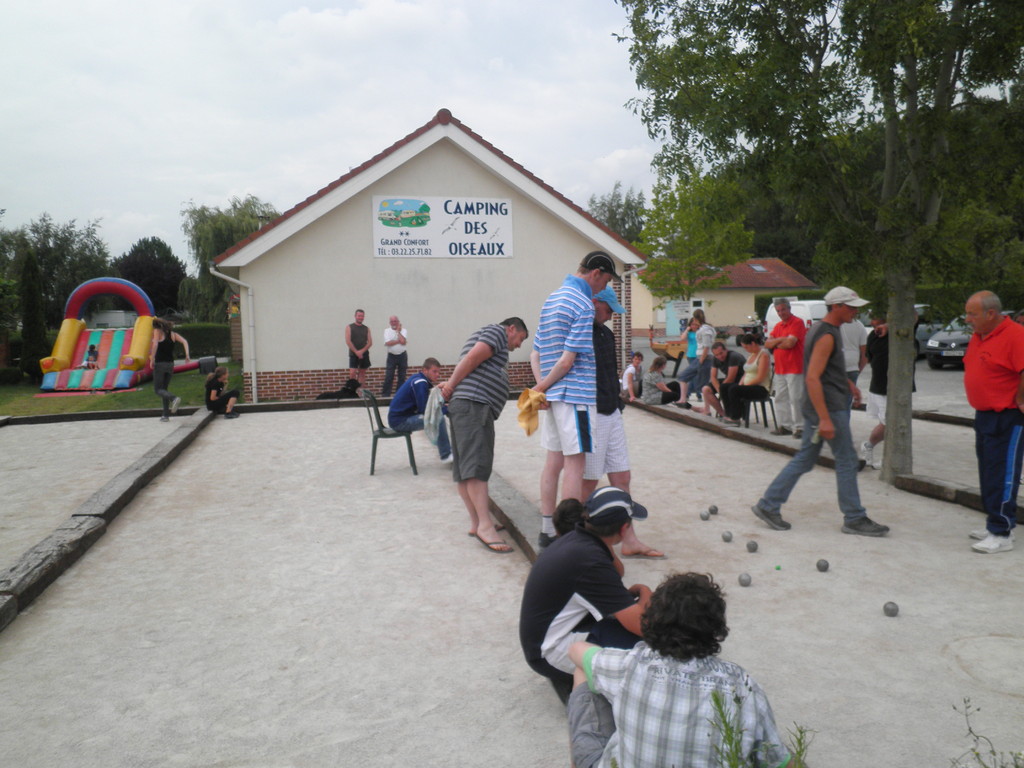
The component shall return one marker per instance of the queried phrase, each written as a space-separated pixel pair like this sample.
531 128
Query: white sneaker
174 404
867 452
448 459
992 544
982 533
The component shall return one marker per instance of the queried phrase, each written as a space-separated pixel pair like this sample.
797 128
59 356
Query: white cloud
126 110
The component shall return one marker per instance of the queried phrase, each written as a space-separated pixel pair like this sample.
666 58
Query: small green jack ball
890 609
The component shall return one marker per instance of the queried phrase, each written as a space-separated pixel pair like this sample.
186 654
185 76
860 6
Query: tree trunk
899 455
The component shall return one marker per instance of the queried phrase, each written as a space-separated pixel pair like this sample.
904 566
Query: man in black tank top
826 412
358 339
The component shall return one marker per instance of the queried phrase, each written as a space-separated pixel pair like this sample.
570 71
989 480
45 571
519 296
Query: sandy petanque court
265 602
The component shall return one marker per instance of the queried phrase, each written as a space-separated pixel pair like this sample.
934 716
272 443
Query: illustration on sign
442 227
403 212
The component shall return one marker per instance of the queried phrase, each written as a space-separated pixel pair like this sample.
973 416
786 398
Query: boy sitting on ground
655 704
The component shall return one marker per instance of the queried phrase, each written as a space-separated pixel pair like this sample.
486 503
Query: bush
206 339
11 376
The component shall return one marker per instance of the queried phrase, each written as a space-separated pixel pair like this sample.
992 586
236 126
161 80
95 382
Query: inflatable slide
123 360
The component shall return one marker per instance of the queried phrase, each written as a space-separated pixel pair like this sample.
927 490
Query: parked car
949 345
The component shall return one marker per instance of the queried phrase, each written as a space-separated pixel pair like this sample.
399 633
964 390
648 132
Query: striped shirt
566 325
488 382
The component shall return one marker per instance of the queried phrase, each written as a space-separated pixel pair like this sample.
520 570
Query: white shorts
567 428
875 407
610 452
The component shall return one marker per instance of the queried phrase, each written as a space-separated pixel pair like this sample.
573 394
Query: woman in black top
161 357
217 400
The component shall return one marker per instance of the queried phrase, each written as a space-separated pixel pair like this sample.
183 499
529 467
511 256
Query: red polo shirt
992 367
789 360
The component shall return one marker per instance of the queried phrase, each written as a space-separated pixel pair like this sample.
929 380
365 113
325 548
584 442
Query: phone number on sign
403 251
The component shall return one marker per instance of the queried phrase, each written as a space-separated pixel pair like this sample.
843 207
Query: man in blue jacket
405 413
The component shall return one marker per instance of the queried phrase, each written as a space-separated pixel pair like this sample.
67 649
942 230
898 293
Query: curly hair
685 618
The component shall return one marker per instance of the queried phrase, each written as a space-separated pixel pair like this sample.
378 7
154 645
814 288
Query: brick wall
306 385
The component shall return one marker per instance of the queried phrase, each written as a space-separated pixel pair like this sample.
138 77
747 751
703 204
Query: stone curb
46 561
920 484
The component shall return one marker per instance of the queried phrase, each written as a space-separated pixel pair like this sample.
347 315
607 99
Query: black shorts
360 363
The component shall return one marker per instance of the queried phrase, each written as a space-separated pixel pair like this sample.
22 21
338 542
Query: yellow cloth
529 404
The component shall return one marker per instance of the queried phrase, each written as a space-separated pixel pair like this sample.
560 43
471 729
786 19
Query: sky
125 111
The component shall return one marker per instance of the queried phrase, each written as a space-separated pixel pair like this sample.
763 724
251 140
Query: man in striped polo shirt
565 370
476 393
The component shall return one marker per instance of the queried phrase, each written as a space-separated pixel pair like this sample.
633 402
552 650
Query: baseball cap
611 504
608 297
843 295
602 261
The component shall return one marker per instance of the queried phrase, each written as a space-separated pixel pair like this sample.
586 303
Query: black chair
380 430
766 402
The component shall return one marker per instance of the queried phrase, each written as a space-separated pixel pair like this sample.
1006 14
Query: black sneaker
231 415
865 526
684 406
772 519
544 540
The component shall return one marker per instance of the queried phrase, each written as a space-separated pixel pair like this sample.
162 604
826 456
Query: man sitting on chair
405 414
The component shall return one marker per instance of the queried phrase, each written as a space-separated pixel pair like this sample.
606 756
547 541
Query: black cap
602 261
613 505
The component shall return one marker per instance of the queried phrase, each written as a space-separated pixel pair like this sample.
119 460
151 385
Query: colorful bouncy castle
123 359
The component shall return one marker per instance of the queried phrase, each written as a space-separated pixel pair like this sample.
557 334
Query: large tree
795 86
694 228
151 264
33 325
211 231
67 255
621 213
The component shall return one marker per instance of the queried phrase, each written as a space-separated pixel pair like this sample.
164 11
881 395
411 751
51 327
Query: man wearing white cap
826 412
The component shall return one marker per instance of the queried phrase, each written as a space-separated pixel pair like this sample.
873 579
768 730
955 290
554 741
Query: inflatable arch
123 352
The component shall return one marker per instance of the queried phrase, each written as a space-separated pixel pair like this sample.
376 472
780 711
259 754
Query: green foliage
693 229
66 256
11 376
33 322
210 232
151 264
983 753
729 749
205 339
623 214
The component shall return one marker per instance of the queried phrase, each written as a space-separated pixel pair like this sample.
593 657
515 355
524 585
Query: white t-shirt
390 334
855 336
630 371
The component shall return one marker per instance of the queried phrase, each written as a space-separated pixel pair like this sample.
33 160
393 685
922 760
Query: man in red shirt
786 343
994 382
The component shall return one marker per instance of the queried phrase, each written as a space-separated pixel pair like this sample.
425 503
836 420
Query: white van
809 311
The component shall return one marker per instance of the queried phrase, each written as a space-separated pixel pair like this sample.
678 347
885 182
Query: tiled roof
767 274
443 117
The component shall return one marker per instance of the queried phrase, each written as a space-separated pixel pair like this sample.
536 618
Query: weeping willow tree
211 231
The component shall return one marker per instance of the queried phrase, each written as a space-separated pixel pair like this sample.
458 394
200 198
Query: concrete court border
23 582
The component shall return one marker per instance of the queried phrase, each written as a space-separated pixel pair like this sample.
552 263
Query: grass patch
21 400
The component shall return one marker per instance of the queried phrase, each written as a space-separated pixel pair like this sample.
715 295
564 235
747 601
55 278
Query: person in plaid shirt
654 704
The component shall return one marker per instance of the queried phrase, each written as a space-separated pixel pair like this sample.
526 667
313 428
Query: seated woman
655 391
757 378
217 400
631 385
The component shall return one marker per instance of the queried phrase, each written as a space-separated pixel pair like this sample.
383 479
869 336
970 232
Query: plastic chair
379 430
767 399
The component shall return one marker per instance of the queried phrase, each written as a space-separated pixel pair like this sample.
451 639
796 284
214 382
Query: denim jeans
415 423
804 460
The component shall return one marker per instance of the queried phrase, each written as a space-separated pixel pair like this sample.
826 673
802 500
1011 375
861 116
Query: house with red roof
730 304
442 229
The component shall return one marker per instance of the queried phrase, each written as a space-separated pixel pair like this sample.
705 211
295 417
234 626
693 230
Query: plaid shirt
663 710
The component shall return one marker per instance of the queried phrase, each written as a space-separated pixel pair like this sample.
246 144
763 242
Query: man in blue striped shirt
565 370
